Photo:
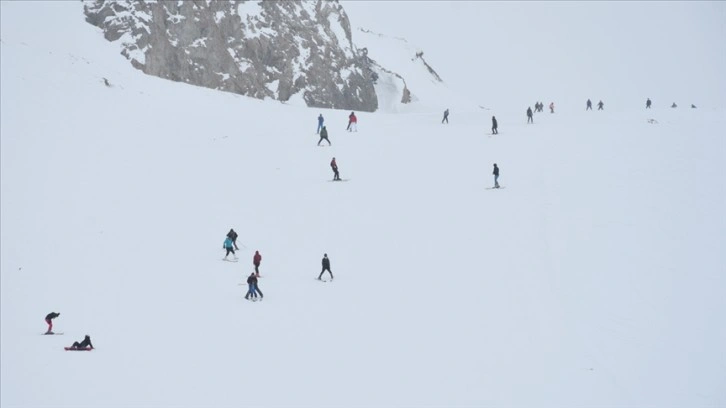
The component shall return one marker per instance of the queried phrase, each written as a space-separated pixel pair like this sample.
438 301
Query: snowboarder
83 344
352 123
600 105
647 104
256 262
320 123
334 166
446 116
324 136
589 105
496 176
674 105
233 236
326 267
529 115
230 249
49 320
552 107
494 126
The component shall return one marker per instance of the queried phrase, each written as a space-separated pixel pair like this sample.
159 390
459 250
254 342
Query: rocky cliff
262 49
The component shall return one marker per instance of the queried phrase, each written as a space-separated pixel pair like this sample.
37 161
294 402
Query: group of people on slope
84 344
588 105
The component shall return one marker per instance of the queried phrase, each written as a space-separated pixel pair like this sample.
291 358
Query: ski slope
594 278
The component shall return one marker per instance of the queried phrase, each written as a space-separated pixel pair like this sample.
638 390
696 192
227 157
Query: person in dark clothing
324 136
83 344
233 236
334 166
252 289
446 116
647 104
49 320
494 126
600 105
256 262
674 105
529 115
589 105
326 267
693 106
496 176
320 123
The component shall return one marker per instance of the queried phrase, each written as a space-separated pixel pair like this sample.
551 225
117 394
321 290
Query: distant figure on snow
326 267
446 116
352 123
693 106
233 236
647 104
256 262
334 166
539 107
83 344
324 136
494 126
49 320
600 105
496 176
552 107
320 122
252 288
589 105
529 115
230 249
674 105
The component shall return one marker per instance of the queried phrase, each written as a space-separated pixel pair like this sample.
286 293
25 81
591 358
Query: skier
326 267
600 105
228 246
693 106
494 126
552 107
49 320
334 166
674 105
446 116
529 115
233 236
256 262
589 105
252 288
320 123
496 176
647 104
352 123
83 344
324 136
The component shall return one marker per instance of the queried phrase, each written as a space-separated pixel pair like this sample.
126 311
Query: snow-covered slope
594 278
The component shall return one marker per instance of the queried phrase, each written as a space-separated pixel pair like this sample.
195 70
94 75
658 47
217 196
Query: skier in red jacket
256 261
352 123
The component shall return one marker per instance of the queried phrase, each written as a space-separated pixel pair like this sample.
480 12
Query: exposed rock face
262 49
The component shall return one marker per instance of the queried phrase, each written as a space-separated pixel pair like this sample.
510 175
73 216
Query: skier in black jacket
529 115
589 105
494 126
253 289
326 267
233 236
49 320
83 344
324 136
496 176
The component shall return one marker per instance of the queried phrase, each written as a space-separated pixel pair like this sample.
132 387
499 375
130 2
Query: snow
595 278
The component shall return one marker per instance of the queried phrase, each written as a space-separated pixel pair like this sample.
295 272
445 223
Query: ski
52 334
229 260
495 188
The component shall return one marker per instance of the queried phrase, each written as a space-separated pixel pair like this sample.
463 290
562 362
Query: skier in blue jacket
320 122
229 246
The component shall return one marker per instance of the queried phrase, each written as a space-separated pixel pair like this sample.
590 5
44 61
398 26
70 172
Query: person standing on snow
600 105
334 166
496 176
494 126
320 123
552 107
326 267
647 104
83 344
233 236
529 115
352 123
252 289
446 116
230 249
256 262
324 136
49 320
589 105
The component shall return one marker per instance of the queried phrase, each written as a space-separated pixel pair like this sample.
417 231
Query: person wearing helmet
83 344
326 267
334 166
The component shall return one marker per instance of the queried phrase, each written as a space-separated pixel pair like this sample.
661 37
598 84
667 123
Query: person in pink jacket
256 261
